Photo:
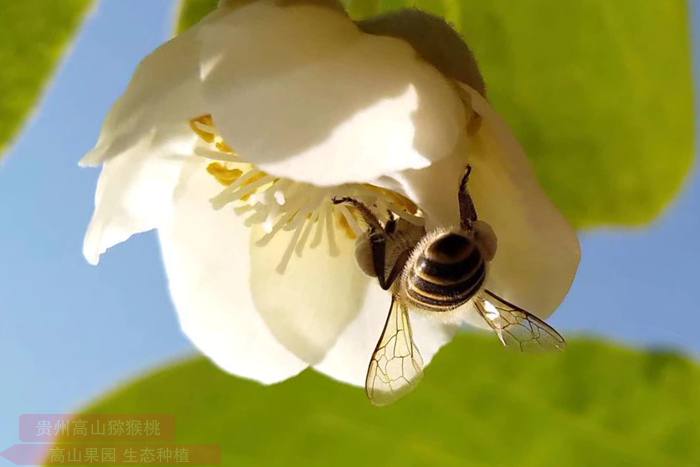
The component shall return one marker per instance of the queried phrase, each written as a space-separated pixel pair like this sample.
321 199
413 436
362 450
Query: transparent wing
396 365
516 327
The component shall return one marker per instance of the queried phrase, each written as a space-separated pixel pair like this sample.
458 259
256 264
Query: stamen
222 174
319 228
332 245
399 204
304 210
405 215
282 266
252 185
305 235
279 225
240 210
257 217
350 219
203 127
231 193
215 155
223 147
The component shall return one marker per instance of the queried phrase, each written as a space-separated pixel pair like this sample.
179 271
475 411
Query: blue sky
71 331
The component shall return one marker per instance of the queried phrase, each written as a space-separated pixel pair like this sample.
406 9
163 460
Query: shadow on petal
538 250
319 100
309 305
206 258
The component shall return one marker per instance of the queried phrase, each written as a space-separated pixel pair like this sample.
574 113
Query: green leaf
191 11
599 92
33 37
594 404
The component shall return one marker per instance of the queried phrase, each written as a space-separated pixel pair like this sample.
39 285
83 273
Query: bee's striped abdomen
447 273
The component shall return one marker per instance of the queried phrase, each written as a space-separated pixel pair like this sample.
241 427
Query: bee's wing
396 365
516 327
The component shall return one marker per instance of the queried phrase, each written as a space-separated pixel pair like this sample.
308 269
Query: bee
435 272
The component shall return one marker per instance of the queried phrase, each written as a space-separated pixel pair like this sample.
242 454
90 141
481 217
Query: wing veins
514 325
396 364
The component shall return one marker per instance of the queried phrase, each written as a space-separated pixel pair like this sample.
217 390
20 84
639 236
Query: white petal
142 143
309 305
134 194
302 93
349 358
434 39
538 251
163 95
206 255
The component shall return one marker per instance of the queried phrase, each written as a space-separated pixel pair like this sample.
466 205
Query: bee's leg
378 241
398 267
362 208
390 226
467 211
378 238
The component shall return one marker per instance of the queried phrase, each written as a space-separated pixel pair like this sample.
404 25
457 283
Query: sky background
69 331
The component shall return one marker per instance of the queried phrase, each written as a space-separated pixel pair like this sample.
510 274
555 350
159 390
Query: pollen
344 224
302 212
223 147
200 124
223 174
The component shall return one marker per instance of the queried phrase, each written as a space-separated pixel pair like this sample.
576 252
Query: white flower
232 139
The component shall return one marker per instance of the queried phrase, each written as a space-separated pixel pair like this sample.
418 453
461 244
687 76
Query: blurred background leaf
34 35
600 93
478 405
191 11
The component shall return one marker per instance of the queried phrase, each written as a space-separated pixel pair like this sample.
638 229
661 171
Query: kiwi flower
232 139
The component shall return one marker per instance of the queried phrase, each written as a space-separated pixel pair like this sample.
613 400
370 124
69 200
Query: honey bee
435 272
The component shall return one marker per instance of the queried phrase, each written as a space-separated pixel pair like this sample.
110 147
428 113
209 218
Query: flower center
281 204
